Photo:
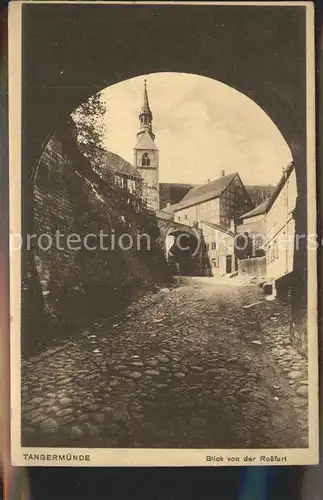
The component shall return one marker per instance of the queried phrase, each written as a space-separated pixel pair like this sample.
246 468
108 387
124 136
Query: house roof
219 228
265 206
205 192
174 185
280 185
106 161
145 141
170 209
260 209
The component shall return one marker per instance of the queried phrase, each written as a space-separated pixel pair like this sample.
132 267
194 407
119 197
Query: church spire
145 108
145 116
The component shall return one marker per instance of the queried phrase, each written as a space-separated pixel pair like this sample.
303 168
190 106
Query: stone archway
56 83
182 253
183 247
229 42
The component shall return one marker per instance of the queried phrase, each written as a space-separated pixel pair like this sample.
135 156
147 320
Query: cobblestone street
193 368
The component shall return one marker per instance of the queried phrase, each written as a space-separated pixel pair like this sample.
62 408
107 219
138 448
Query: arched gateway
183 246
54 84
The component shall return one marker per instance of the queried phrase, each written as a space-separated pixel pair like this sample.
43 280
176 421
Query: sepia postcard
163 246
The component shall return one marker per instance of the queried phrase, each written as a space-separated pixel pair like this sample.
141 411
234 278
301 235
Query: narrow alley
194 368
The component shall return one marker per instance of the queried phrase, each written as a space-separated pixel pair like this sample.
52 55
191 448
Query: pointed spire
145 107
145 116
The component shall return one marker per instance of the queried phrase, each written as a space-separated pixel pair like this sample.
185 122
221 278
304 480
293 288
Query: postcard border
151 457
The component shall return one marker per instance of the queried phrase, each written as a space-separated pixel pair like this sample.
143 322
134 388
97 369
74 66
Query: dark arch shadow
183 255
260 51
72 51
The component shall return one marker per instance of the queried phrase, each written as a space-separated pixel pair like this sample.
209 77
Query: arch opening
182 253
226 123
145 160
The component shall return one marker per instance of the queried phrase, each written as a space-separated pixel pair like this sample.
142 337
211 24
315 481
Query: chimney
222 172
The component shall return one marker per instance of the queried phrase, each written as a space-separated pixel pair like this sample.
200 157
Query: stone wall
298 332
256 266
298 326
63 287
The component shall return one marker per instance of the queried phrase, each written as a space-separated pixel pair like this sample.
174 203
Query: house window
145 160
178 218
185 216
213 245
131 185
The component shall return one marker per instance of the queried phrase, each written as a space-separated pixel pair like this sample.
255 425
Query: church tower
146 155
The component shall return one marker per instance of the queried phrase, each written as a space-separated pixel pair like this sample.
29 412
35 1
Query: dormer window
145 161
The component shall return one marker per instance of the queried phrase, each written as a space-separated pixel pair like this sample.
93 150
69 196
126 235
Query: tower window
144 120
145 160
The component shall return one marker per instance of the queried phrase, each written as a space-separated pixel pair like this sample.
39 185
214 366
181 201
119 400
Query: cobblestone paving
195 369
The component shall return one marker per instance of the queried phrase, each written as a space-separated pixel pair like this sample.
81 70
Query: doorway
228 265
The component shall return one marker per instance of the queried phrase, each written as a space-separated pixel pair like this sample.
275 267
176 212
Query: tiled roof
106 162
266 205
205 192
170 209
219 228
260 209
280 184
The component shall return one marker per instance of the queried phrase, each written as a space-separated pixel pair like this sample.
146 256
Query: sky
201 125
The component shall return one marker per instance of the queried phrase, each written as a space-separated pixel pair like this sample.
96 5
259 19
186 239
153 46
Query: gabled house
280 225
117 172
271 227
220 247
214 207
253 225
219 201
254 221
